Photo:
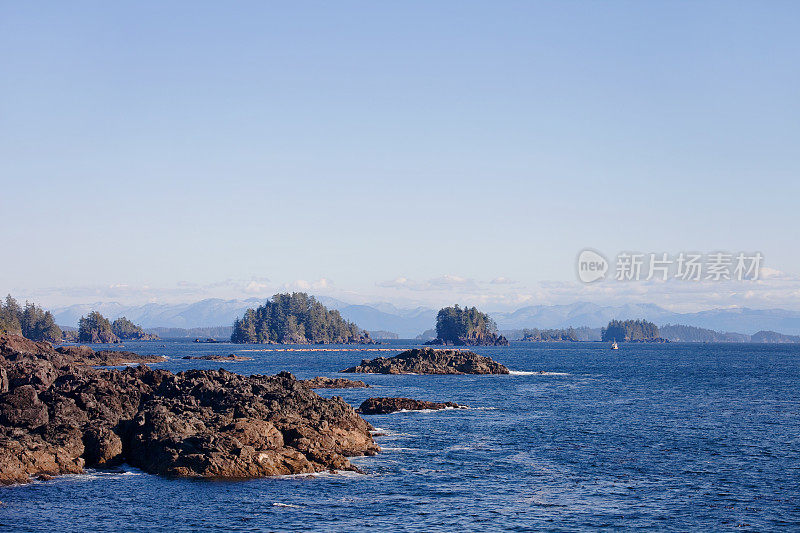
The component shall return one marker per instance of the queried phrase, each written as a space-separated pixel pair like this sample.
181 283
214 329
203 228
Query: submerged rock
323 382
65 416
382 406
430 361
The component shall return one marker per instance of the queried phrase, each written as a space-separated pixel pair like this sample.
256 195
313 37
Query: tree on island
95 328
295 318
127 330
466 326
30 321
550 335
630 331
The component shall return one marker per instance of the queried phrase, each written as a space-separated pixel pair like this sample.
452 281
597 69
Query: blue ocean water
660 437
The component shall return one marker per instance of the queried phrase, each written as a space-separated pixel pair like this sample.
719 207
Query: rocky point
58 415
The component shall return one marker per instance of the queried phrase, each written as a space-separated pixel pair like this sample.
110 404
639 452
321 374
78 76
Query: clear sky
406 151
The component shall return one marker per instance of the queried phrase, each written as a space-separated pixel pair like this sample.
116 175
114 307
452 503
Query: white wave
279 504
399 449
537 373
334 473
430 410
388 434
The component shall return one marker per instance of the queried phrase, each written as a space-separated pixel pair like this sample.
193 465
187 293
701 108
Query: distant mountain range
205 313
408 323
742 320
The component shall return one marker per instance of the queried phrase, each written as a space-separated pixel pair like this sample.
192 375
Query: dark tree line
295 318
29 321
630 330
550 335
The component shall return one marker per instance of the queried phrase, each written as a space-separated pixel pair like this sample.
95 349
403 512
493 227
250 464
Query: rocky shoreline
383 406
58 415
430 361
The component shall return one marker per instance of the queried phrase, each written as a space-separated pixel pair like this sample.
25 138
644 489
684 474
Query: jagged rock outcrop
323 382
60 416
430 361
382 406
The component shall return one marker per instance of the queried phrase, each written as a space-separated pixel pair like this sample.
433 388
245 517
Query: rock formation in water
59 416
430 361
323 382
466 326
296 318
229 357
382 406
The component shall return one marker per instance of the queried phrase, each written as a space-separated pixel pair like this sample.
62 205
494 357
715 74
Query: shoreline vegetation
30 321
455 326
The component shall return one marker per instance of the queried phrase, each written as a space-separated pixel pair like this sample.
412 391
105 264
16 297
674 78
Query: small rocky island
382 406
466 327
296 318
430 361
59 416
323 382
631 331
96 328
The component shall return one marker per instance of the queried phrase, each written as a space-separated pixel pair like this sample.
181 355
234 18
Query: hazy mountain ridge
743 320
408 323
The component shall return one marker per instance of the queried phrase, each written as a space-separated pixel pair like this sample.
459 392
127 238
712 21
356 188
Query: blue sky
472 149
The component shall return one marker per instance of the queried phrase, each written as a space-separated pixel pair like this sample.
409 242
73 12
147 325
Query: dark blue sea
650 437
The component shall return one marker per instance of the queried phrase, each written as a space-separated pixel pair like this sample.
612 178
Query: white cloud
303 285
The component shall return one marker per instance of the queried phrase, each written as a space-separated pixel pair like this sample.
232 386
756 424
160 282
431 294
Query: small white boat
614 346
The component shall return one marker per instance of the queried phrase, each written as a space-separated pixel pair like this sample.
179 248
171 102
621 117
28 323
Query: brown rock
323 382
22 408
199 423
381 406
102 447
430 361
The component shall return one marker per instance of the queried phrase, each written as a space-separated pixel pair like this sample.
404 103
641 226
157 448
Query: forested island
631 331
550 335
296 318
681 333
29 321
98 329
466 326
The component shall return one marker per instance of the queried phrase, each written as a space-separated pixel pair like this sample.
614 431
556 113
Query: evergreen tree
630 330
295 318
30 321
458 326
95 328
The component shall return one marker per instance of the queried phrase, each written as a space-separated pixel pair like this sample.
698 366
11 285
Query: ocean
577 438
